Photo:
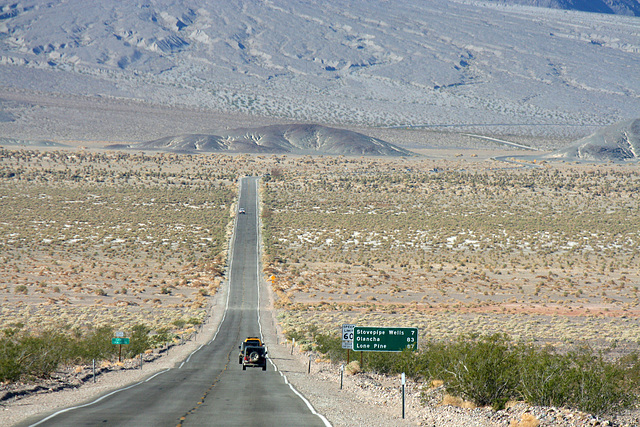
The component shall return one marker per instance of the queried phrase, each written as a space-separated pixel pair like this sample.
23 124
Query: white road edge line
98 399
286 380
275 367
62 411
226 307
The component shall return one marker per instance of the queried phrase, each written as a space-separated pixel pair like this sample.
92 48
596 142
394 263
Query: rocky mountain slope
294 139
439 64
618 142
618 7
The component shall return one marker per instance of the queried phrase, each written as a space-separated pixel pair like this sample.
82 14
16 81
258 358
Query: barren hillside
440 64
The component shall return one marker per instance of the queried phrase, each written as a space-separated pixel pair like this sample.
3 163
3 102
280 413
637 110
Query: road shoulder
19 410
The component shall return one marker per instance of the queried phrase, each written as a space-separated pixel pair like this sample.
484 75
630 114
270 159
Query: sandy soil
42 403
365 394
343 407
363 399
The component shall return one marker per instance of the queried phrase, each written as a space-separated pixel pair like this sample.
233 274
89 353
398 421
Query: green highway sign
384 339
119 340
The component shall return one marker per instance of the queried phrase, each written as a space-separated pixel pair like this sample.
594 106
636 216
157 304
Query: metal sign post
347 339
119 341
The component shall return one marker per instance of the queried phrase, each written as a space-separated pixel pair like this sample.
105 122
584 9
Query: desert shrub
353 368
10 369
597 386
95 344
406 361
42 354
194 321
162 336
631 364
299 336
33 355
490 370
331 346
581 379
37 355
179 323
140 340
541 373
482 370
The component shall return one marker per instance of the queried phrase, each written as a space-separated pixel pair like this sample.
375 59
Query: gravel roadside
44 402
368 399
365 398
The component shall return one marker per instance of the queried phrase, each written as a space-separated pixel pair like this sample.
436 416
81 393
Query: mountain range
438 64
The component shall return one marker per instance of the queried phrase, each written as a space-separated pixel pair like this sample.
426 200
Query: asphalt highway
209 388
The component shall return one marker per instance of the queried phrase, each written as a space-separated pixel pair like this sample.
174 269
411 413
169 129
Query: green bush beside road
25 355
491 370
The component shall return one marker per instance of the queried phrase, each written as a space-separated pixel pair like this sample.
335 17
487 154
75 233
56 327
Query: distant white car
242 211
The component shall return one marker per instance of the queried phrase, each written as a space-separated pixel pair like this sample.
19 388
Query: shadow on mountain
6 117
618 7
277 139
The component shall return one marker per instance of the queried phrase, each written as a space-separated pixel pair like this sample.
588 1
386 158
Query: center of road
223 393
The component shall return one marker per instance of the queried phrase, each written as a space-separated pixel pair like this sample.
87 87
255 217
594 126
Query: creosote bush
26 355
491 370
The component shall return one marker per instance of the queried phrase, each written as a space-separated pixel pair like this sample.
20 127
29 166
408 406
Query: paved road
210 387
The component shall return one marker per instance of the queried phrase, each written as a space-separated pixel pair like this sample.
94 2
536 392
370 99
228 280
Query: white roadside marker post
403 381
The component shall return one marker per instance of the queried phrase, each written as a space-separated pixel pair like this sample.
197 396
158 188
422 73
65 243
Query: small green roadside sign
119 341
367 338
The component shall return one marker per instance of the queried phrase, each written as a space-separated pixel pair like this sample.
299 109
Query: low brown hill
281 139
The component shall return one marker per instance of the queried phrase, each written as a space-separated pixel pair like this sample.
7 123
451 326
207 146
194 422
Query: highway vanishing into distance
209 387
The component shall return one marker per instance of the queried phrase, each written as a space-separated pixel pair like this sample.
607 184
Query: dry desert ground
452 242
545 252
